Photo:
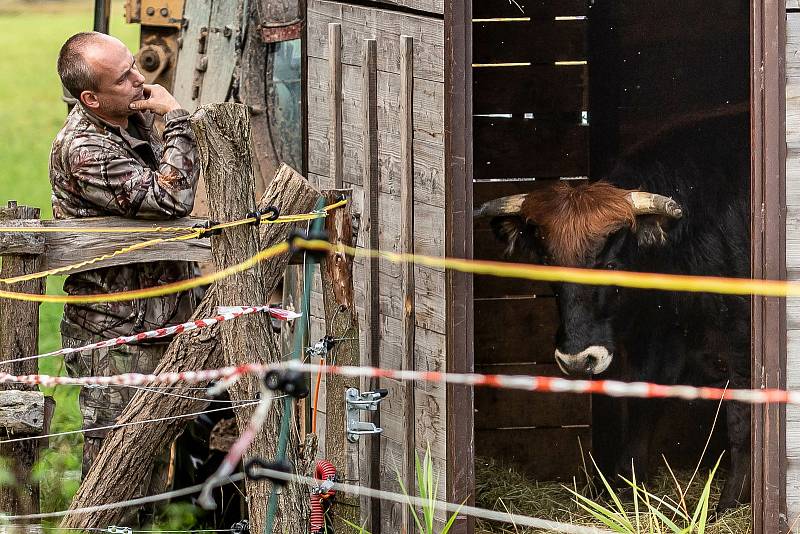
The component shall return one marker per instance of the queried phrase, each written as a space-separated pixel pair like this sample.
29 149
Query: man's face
119 80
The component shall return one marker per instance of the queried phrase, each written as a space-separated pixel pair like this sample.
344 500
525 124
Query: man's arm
111 179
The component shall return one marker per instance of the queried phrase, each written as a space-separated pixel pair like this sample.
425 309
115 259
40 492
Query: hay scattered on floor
504 489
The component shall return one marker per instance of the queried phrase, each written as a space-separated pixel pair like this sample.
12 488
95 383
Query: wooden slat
515 330
536 9
360 23
508 148
488 247
485 191
220 48
793 127
542 453
434 7
370 447
503 408
406 116
63 249
428 296
538 88
529 41
335 100
66 248
792 45
428 138
196 16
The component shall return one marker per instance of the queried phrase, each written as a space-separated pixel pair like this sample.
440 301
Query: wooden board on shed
515 330
427 142
512 148
434 7
529 89
223 32
359 23
535 9
534 41
537 452
508 408
196 15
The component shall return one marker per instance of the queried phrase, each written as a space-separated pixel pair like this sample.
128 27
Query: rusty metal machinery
161 22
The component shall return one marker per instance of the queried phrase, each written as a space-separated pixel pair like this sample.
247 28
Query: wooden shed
488 99
426 108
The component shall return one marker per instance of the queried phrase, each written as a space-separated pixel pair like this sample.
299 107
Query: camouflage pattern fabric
100 169
101 406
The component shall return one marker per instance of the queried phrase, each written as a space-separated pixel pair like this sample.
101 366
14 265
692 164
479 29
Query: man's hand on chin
155 99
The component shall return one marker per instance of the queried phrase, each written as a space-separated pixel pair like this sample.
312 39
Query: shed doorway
561 92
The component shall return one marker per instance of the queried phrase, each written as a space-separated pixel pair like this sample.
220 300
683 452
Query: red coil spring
324 470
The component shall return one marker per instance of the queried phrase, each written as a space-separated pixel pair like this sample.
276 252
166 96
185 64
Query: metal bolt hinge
356 402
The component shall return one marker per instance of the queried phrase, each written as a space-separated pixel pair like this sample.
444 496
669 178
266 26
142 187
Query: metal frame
768 257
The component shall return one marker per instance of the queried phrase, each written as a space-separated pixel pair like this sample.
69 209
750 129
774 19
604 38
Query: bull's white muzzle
592 360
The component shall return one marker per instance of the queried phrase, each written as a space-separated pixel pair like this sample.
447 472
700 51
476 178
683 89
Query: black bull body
676 204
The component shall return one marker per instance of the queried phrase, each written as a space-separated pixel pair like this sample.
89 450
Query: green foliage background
31 113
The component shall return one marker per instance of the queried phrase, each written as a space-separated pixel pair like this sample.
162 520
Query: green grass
31 113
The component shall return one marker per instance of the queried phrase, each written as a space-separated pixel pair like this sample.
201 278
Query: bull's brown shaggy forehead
576 219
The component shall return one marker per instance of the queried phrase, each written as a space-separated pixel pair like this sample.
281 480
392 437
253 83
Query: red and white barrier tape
225 313
542 384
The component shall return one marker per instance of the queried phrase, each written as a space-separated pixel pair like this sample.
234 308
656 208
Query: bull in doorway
676 204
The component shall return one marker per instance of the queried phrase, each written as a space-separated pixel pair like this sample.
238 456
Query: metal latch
356 402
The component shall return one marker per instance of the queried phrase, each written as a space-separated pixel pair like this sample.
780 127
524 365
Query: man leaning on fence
108 160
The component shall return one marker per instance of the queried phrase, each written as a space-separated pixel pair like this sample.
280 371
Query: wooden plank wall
793 254
426 146
527 126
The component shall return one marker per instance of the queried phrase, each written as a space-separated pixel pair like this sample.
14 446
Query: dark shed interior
560 91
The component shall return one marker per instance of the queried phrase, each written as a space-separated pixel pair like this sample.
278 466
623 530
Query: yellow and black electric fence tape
192 234
664 282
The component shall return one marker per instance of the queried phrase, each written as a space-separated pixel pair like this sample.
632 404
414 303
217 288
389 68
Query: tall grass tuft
428 486
651 514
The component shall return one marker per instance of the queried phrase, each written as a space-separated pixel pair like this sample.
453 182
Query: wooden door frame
460 426
768 254
768 257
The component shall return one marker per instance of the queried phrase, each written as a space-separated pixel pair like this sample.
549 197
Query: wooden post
370 450
407 269
19 337
223 139
335 64
341 323
114 476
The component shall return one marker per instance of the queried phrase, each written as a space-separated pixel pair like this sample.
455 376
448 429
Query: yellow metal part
161 13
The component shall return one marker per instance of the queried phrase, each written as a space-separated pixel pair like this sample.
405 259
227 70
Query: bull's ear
652 230
519 236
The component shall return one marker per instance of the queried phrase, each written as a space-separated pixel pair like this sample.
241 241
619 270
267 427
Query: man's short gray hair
73 69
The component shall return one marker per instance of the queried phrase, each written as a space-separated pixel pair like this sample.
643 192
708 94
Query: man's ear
652 230
89 99
519 236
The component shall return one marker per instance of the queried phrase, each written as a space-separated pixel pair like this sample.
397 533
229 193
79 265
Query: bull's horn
651 204
511 205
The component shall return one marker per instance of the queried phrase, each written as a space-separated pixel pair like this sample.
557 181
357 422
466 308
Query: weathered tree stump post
127 454
223 139
19 337
341 323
